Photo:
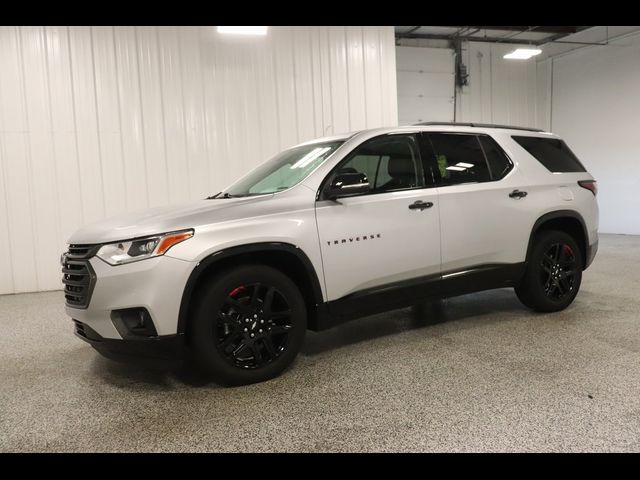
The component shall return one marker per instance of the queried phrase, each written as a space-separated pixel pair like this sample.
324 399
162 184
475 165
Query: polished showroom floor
484 375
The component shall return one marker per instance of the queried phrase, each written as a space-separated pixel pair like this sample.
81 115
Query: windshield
283 171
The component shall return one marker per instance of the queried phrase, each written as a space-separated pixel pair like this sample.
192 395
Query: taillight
589 185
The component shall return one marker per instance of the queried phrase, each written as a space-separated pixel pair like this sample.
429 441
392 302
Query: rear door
481 221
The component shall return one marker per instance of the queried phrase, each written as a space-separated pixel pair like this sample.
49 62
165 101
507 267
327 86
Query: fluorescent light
456 169
523 53
309 157
251 30
464 165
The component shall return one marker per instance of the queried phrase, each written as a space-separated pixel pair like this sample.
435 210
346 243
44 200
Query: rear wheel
248 325
554 273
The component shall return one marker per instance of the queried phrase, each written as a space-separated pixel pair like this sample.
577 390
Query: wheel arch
285 257
568 221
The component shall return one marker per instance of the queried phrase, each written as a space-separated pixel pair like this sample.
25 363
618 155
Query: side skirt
408 292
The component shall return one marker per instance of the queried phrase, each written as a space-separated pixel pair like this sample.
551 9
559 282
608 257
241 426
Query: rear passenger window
553 153
459 158
499 163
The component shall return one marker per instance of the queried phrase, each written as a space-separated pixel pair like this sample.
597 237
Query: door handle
420 205
518 194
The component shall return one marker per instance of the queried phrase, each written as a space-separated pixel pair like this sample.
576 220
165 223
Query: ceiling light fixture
250 30
523 53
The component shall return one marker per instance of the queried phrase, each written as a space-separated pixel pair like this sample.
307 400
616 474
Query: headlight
141 248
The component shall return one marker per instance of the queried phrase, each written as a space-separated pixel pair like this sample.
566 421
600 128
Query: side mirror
347 185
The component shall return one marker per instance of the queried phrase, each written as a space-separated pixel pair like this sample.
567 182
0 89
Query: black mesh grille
85 331
77 275
80 328
81 250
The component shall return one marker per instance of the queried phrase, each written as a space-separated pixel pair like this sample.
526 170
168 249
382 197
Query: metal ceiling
534 35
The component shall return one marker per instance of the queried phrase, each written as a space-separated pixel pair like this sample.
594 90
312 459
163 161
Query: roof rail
481 125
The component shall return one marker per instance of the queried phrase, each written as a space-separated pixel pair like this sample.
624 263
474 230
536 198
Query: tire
553 273
240 331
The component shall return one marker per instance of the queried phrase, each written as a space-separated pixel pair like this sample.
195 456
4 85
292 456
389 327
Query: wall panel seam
142 117
119 101
185 126
3 164
75 123
163 114
98 129
53 138
295 87
26 137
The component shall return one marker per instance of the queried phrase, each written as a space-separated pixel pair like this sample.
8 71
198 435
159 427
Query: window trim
506 155
434 166
420 165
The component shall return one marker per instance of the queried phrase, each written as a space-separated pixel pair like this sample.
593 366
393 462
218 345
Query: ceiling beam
538 29
411 30
429 36
555 38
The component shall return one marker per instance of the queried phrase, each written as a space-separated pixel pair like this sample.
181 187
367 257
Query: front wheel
248 324
554 273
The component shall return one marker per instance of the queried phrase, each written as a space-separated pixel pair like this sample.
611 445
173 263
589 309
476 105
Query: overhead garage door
425 84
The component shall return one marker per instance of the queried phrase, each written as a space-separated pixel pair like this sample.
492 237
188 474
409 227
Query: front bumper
168 348
155 284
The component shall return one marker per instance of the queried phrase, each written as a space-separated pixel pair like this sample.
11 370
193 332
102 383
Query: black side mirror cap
347 185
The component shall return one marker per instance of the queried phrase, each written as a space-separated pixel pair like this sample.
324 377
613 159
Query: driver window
390 163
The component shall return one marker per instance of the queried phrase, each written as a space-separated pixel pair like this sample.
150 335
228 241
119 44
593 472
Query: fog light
133 323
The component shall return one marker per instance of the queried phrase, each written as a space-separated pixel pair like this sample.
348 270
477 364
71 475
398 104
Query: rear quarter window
553 153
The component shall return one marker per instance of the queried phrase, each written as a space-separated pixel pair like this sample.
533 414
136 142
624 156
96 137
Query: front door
380 238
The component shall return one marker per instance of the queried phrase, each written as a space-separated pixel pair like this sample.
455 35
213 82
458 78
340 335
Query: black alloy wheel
247 325
252 326
559 269
553 273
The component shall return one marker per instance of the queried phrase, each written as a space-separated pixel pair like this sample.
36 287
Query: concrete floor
488 376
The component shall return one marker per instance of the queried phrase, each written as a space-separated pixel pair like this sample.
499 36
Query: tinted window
390 163
552 153
459 158
499 163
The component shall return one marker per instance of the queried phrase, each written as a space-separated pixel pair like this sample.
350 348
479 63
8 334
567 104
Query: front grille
85 331
77 275
81 250
80 328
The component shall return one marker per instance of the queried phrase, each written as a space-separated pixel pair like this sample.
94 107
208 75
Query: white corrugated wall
595 107
96 121
500 91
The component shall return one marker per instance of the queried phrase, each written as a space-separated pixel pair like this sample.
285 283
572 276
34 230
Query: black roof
481 125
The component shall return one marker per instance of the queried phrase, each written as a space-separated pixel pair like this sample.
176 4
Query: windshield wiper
217 195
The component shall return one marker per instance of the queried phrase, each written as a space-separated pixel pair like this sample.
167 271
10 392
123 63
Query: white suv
331 230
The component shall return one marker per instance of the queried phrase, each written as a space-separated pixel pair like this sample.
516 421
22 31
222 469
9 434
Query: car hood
168 218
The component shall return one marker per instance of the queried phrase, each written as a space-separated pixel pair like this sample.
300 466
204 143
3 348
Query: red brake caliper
233 293
237 290
567 251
